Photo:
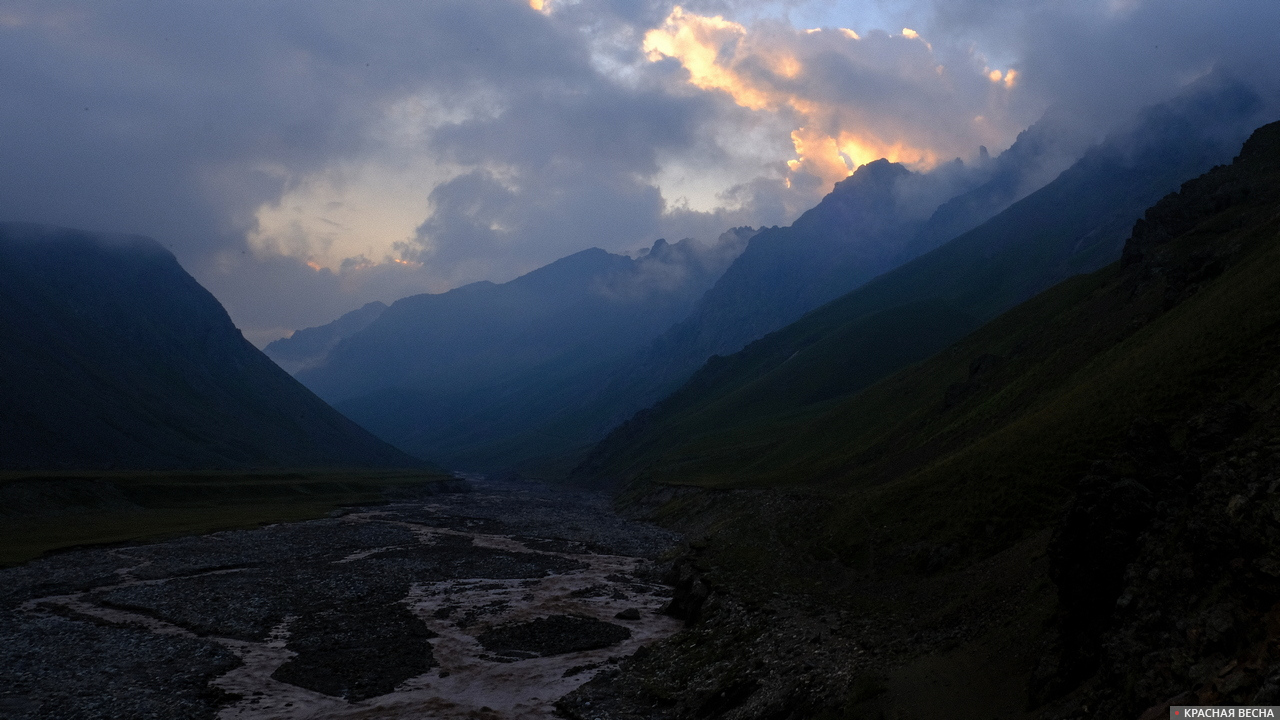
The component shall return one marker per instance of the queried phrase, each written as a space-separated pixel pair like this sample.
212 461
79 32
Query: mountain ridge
454 376
115 357
1074 504
905 213
1037 155
309 347
1075 224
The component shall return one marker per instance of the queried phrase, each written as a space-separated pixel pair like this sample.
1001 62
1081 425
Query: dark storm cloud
1104 59
476 218
570 164
546 133
180 120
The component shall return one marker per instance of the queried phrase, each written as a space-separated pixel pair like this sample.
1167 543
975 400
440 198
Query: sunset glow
698 42
830 140
486 139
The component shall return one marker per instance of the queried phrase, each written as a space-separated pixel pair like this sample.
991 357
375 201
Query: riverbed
491 603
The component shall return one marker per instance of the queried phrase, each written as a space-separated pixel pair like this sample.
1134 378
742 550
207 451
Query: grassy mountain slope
729 410
112 356
1117 436
879 218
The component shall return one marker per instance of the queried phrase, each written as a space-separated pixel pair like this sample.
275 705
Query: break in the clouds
850 98
302 159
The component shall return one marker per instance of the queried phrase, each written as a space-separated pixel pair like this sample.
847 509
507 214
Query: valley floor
795 637
484 604
515 602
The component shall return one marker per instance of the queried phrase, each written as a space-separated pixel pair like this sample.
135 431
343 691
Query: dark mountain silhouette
878 217
442 375
112 356
309 347
1075 224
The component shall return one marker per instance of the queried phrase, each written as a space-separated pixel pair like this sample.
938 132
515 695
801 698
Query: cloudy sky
303 158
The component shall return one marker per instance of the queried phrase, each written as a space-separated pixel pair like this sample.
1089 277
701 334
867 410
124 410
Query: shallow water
374 614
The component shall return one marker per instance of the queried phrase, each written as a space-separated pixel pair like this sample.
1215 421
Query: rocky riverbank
492 603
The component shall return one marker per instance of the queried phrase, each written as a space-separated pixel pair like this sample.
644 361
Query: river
485 604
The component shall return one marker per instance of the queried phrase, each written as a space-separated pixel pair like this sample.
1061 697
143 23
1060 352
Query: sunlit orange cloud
697 41
1008 77
817 154
832 139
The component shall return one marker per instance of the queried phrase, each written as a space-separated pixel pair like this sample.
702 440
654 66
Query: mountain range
1075 224
525 387
309 347
994 434
1068 512
440 375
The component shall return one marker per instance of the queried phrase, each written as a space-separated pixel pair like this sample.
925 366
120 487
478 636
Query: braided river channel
491 603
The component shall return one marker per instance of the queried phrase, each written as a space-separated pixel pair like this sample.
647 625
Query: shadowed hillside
713 425
112 356
875 220
1068 513
309 347
459 376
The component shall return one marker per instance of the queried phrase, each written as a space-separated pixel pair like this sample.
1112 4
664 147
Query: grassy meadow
46 512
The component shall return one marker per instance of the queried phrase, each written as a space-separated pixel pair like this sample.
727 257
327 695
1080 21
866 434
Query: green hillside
716 427
112 357
990 430
1071 512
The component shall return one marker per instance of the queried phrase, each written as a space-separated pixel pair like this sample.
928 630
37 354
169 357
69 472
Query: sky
303 158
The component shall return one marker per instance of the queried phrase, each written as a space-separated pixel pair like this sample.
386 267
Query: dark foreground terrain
484 604
1073 512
